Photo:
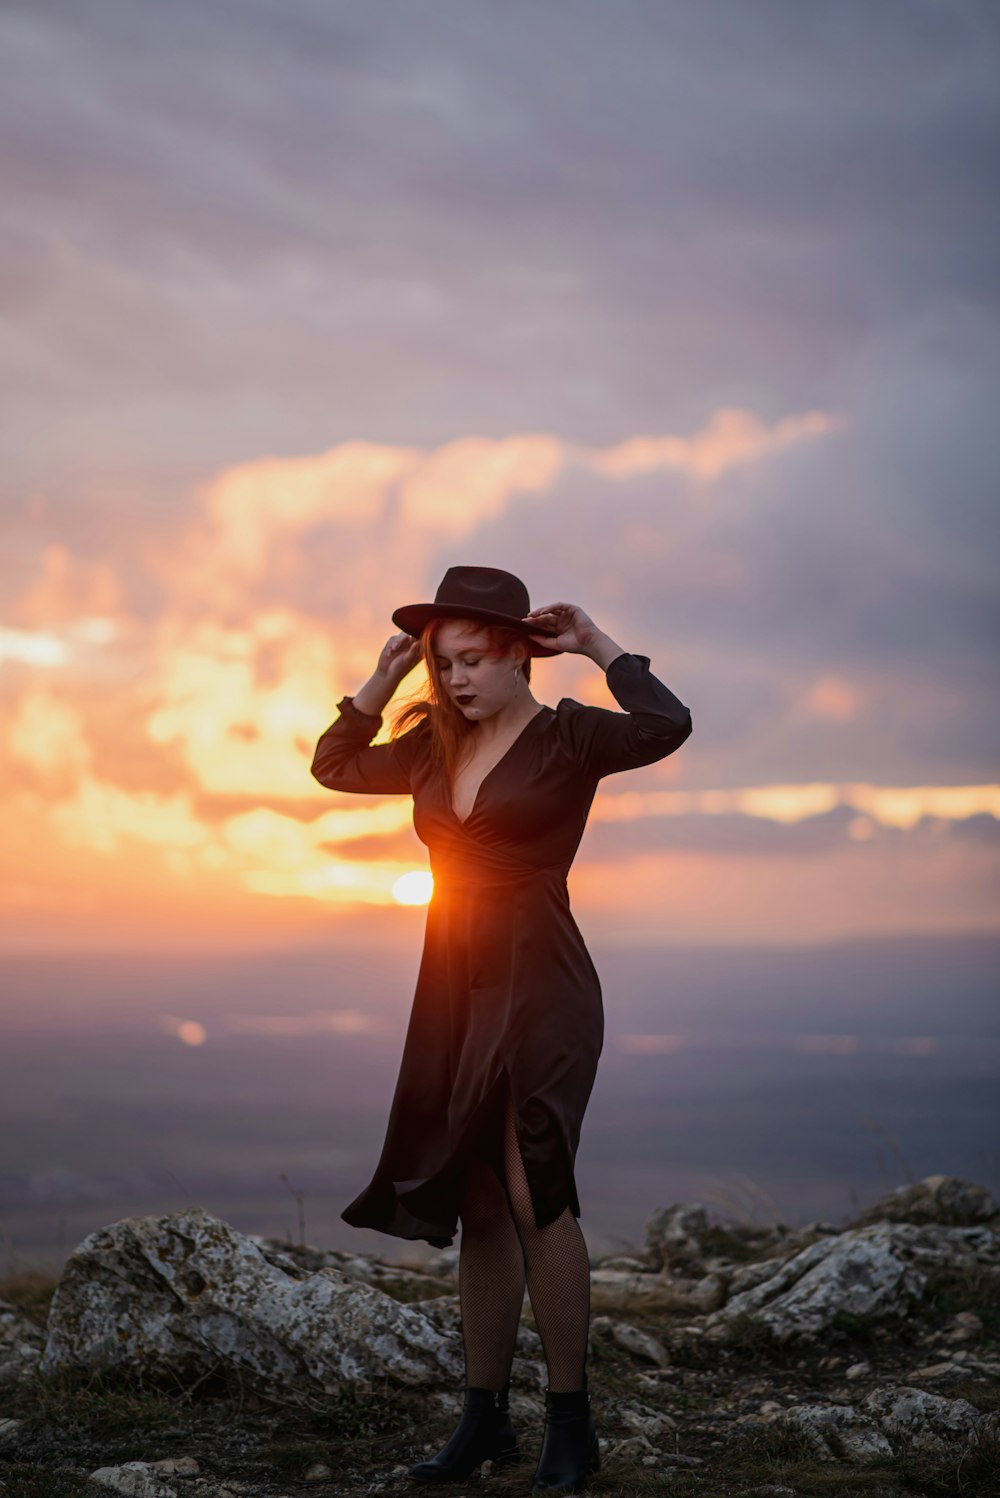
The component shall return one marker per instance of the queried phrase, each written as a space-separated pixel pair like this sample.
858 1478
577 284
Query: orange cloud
236 732
466 482
67 588
246 516
159 775
48 736
730 438
248 507
890 806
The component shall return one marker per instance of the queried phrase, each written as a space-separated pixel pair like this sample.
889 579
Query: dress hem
483 1141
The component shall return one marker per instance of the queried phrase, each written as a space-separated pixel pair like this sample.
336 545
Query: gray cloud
447 217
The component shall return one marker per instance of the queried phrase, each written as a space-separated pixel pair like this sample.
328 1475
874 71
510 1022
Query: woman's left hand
571 629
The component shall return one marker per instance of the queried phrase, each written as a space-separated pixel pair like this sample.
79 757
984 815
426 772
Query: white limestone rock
632 1448
749 1276
769 1490
836 1432
921 1423
187 1293
21 1343
626 1290
302 1259
644 1421
627 1261
676 1232
632 1339
871 1273
938 1370
888 1422
946 1200
134 1480
176 1466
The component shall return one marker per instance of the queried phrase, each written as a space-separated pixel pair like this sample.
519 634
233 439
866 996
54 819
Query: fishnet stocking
501 1250
490 1279
557 1266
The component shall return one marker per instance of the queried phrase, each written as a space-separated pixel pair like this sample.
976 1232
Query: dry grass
31 1293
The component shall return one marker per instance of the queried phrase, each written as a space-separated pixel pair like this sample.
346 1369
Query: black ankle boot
569 1446
483 1433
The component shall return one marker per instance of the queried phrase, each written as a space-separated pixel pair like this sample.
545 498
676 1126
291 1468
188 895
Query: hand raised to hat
399 655
564 626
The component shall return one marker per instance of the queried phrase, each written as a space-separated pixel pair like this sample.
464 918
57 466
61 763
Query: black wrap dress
507 995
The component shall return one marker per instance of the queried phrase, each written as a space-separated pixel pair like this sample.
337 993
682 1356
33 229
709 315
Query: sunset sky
685 313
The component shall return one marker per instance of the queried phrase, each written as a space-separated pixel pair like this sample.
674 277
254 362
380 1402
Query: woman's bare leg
557 1267
490 1278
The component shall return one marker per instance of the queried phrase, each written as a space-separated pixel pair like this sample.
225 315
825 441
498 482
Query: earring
516 670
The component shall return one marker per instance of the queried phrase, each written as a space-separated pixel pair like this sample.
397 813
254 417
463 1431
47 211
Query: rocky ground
178 1358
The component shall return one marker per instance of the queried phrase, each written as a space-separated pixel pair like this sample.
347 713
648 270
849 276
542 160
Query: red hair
449 726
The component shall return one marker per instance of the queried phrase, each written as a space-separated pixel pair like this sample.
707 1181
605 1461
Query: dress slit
551 1191
430 1207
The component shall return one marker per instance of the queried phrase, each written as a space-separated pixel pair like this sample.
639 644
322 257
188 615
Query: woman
507 1020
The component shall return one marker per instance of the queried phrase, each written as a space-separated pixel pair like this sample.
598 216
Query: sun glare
414 888
187 1031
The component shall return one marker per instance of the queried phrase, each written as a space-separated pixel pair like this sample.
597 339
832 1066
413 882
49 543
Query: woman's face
469 670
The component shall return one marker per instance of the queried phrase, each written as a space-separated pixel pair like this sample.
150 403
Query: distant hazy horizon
787 1084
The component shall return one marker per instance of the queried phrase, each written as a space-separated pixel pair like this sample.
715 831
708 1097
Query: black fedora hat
486 593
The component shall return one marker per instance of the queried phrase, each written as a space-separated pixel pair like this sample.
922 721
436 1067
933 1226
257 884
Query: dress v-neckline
464 821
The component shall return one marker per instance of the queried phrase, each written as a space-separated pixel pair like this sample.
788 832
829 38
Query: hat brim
412 617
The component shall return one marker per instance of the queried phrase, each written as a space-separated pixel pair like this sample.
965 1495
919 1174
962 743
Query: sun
414 888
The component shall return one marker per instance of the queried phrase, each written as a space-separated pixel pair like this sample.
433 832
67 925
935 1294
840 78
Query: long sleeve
346 760
654 722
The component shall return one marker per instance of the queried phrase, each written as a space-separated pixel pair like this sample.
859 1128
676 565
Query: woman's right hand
400 654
